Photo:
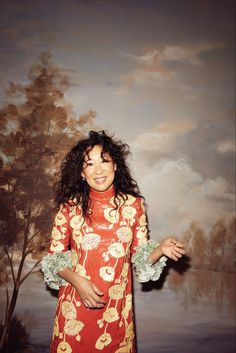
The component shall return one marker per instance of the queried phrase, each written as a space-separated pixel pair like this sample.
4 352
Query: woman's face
98 169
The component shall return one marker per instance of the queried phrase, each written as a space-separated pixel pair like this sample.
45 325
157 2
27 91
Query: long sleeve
142 247
59 255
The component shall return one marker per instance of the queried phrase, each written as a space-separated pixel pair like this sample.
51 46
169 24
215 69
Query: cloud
153 64
177 194
121 92
164 138
177 190
226 146
167 53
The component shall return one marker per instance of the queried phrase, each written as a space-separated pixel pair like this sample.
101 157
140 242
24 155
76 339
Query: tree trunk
8 318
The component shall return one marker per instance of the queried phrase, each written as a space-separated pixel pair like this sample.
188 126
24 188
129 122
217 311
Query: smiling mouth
100 180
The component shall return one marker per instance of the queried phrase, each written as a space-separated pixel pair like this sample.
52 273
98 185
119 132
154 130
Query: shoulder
70 206
135 201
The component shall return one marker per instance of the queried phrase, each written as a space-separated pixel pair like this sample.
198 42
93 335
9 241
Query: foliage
215 252
211 277
37 128
18 341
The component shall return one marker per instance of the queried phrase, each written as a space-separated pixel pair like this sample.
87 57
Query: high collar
102 195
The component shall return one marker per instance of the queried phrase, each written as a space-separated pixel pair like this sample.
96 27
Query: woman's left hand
172 248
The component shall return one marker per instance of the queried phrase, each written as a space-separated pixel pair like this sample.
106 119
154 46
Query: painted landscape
160 75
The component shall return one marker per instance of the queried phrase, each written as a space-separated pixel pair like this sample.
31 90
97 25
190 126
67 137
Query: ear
115 167
83 175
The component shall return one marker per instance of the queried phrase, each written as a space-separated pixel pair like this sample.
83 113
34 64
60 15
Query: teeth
100 180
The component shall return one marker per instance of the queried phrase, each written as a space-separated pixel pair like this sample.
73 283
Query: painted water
166 321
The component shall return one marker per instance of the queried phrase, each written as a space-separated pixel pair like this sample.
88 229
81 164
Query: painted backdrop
159 75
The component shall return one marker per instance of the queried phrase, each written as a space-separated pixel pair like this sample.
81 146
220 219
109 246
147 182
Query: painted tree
213 265
36 130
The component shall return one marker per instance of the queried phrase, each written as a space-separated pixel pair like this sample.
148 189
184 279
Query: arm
148 257
59 255
57 264
169 247
90 295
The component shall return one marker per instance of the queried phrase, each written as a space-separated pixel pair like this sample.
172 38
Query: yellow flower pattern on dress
68 310
115 292
125 270
60 219
107 273
103 341
111 215
74 257
131 199
56 246
64 347
78 238
128 212
116 250
111 315
124 234
90 241
73 327
128 306
56 327
80 269
57 235
76 222
141 235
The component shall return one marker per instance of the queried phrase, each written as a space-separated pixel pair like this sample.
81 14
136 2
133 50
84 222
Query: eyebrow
105 154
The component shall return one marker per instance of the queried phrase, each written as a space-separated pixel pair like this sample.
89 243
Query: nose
98 169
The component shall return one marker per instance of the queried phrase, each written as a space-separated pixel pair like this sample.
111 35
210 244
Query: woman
99 229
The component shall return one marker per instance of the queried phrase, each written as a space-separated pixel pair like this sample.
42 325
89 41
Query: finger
97 295
98 299
86 304
180 244
176 254
179 250
97 291
174 257
96 305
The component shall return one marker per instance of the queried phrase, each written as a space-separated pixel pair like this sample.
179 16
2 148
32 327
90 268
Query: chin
101 188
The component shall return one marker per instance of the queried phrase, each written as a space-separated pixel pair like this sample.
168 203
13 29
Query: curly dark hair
71 185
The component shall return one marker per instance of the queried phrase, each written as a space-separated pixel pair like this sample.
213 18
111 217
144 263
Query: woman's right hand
90 295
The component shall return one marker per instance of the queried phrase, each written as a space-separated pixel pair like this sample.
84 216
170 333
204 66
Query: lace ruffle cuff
51 264
144 269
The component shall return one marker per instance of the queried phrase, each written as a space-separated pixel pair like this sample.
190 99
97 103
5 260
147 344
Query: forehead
96 152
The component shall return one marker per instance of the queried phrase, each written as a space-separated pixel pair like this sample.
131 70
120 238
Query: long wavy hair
71 185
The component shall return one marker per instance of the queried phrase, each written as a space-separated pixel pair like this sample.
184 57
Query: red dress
101 251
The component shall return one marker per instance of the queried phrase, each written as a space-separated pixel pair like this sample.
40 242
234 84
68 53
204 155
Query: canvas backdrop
160 76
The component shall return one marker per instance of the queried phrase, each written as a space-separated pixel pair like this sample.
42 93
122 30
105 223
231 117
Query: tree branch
10 260
29 273
32 236
35 215
24 248
7 302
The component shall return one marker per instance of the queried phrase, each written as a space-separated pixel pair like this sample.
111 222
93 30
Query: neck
101 195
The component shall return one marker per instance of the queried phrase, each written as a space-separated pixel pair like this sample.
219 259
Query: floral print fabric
100 250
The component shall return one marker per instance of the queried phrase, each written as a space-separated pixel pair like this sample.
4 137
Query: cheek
111 172
87 172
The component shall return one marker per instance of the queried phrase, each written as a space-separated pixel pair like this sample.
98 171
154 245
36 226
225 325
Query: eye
88 164
106 161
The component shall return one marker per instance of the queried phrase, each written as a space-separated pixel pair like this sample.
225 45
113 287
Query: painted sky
159 74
